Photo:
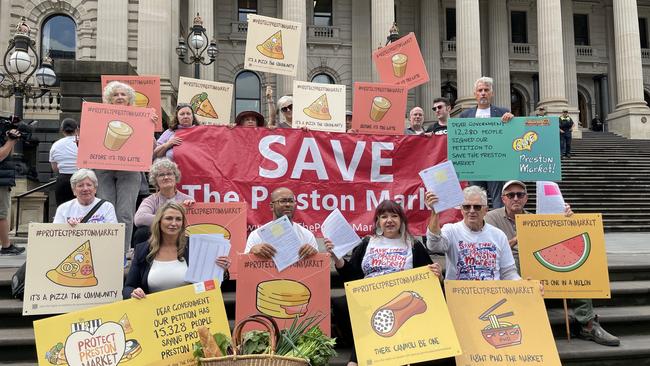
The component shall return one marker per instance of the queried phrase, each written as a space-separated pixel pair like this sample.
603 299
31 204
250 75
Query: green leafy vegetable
315 346
255 342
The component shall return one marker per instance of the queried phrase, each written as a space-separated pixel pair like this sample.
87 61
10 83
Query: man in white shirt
283 203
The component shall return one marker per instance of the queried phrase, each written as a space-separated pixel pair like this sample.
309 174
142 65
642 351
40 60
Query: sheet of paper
204 250
442 180
337 229
280 235
549 198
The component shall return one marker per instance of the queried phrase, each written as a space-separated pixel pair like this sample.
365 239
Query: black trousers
62 190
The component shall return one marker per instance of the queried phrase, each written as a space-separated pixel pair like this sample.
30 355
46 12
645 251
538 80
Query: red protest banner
325 170
401 63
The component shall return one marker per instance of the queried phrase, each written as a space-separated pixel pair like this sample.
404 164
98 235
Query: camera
7 124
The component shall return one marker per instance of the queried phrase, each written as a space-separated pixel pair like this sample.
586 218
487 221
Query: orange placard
401 63
300 290
379 108
115 137
147 92
227 218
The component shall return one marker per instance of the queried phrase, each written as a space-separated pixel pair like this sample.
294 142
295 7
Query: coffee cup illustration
400 61
117 134
380 106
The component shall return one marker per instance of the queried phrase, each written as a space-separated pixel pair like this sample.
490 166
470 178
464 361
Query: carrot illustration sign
379 108
210 100
319 106
272 45
147 92
401 63
566 253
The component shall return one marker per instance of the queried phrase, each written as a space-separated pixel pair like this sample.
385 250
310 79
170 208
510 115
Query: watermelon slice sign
566 255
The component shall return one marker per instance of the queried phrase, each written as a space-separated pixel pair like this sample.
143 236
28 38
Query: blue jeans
565 143
493 190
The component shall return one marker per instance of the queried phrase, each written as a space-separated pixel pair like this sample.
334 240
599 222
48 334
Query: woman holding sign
184 118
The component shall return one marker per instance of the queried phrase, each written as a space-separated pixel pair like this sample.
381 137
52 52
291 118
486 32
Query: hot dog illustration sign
400 318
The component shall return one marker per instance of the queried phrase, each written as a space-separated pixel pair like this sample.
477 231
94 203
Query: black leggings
62 190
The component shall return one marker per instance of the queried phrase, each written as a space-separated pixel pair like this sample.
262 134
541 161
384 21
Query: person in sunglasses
285 106
474 249
442 108
184 118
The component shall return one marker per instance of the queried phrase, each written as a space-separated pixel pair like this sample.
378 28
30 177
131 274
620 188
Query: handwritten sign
115 137
392 317
85 270
567 254
211 101
147 91
302 289
272 45
157 330
501 323
379 108
228 219
401 63
526 148
319 106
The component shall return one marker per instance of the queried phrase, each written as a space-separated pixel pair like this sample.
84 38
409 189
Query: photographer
7 180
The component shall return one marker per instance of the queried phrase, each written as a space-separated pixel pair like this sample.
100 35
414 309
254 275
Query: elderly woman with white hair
285 106
84 188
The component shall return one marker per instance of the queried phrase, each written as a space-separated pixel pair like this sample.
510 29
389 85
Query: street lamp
393 34
196 43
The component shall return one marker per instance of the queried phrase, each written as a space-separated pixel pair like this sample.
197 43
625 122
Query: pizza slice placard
319 106
273 45
76 270
211 101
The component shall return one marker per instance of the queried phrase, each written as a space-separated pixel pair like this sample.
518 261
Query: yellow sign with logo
157 330
501 323
400 318
567 254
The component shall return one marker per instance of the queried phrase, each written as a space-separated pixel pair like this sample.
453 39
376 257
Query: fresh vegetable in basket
205 348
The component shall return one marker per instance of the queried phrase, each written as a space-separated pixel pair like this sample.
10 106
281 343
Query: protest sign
325 171
211 101
273 45
115 137
147 92
160 329
379 108
501 323
227 218
486 149
391 318
319 107
301 290
401 63
567 254
86 268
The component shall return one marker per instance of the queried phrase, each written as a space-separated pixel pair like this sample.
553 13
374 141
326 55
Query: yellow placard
157 330
567 254
501 323
400 318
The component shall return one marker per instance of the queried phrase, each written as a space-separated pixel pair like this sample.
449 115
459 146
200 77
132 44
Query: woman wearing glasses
184 118
285 106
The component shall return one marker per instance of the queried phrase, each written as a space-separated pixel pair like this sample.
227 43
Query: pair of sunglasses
287 108
470 207
512 195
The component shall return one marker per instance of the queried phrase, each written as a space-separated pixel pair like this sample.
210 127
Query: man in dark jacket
7 180
566 125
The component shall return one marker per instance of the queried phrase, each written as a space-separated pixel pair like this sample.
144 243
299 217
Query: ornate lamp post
393 34
198 44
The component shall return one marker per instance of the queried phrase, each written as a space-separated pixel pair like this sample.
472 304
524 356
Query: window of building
246 7
322 79
59 37
247 92
323 13
450 21
518 27
581 29
643 32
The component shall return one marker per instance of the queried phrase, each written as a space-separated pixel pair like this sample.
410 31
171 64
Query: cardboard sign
211 101
486 149
272 45
379 108
300 290
567 254
115 137
228 218
393 318
157 330
319 106
401 63
86 268
147 92
501 323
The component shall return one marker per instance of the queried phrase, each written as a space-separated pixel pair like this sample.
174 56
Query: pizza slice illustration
319 109
76 270
202 106
272 47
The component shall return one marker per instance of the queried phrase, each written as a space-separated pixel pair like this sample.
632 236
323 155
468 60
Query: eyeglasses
285 201
287 108
435 108
163 175
512 195
470 207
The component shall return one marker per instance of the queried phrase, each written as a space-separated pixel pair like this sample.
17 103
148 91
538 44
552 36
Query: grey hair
413 110
283 100
82 174
484 80
115 85
158 165
476 191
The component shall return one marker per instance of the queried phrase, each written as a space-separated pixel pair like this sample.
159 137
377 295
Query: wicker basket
254 360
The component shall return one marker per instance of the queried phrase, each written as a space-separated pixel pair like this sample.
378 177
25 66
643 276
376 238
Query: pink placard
147 92
379 108
401 63
551 190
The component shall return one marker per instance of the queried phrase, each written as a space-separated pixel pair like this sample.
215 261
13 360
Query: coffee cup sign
379 108
401 63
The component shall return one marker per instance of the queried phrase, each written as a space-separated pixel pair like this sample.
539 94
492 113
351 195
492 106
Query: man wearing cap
540 112
416 117
442 108
515 196
566 125
249 119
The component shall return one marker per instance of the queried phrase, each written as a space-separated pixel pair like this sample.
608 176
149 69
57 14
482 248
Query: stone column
570 74
468 51
205 8
361 41
499 52
430 45
552 93
295 11
112 30
611 59
6 32
382 18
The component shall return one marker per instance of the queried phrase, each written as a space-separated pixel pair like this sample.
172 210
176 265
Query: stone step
619 321
634 350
